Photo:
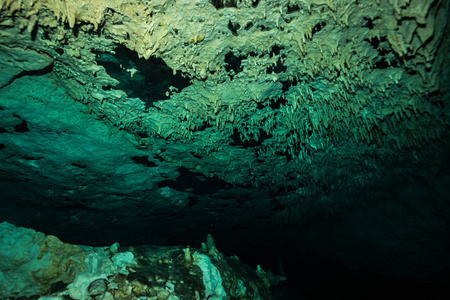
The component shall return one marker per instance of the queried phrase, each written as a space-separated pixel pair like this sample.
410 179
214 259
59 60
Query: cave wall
298 109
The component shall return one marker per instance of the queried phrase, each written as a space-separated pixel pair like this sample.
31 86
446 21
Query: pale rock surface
31 262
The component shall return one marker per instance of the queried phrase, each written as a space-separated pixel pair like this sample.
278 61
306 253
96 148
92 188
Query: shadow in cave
194 182
147 79
311 273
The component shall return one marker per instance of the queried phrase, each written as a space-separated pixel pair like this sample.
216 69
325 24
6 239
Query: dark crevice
233 27
233 64
78 165
383 51
287 85
369 22
33 33
159 157
22 127
151 78
318 27
275 50
46 35
218 4
375 41
57 287
277 102
263 28
236 139
142 135
31 158
195 183
196 156
143 160
252 143
248 25
202 127
76 29
292 8
382 62
40 72
277 68
255 3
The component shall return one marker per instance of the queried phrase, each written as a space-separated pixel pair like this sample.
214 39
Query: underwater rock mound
33 264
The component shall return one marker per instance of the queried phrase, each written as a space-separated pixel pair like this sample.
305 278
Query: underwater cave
299 151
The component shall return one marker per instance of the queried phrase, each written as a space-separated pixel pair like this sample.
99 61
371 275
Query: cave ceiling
147 101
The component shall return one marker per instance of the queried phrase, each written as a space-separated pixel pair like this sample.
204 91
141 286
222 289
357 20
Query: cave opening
149 80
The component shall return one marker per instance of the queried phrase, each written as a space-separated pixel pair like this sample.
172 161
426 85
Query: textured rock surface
32 262
29 258
272 82
285 111
77 158
15 61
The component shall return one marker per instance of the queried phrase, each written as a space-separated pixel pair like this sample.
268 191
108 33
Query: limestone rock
146 271
283 79
32 262
15 60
